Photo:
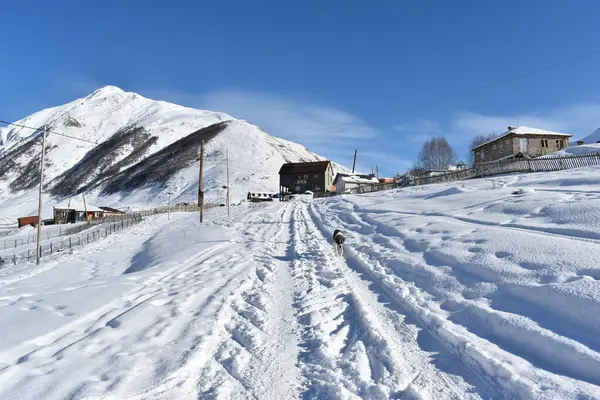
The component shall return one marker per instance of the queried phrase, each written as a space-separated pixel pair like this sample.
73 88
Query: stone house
297 178
521 141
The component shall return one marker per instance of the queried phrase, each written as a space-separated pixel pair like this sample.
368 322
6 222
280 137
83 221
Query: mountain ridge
136 150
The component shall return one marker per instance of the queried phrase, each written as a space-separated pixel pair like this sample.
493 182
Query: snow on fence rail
89 233
372 188
540 164
75 240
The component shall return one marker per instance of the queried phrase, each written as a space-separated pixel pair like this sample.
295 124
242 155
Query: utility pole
85 208
38 252
354 162
228 192
200 191
377 170
169 211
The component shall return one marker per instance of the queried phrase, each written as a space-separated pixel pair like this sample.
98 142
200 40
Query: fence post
51 248
87 240
70 244
14 259
15 243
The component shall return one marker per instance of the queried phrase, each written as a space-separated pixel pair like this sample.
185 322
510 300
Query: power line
351 125
354 124
49 131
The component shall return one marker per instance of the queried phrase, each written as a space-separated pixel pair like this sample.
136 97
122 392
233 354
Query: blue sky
315 71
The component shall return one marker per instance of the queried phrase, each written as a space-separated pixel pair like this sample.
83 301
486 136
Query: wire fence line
539 164
87 233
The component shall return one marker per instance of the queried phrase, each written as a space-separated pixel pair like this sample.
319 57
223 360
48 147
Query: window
482 155
316 176
493 150
559 144
501 148
544 143
297 188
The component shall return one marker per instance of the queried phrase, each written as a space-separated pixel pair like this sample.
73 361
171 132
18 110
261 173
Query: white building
345 182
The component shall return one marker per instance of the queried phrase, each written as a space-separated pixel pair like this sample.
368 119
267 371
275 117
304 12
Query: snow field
515 303
452 291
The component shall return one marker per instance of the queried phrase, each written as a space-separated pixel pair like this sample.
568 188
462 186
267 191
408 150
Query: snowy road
441 295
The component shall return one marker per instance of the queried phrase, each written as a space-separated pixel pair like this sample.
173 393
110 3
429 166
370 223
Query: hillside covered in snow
593 137
136 150
482 289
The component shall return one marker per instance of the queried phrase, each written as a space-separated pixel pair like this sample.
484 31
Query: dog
338 242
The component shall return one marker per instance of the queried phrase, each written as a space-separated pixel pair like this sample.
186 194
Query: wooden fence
540 164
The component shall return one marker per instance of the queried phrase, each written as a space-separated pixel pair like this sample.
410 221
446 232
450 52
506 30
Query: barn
297 178
75 212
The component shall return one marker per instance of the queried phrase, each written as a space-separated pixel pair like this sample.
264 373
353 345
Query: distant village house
297 178
111 212
521 141
346 182
76 212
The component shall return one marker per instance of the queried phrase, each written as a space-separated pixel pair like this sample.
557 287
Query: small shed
24 221
345 182
75 211
255 197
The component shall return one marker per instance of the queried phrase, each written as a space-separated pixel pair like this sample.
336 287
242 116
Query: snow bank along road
449 291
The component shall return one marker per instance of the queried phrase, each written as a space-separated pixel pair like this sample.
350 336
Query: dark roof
304 167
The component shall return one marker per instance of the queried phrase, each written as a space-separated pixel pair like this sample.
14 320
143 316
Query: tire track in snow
152 342
355 345
261 351
468 349
251 352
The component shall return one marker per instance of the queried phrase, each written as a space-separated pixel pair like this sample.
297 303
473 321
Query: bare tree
477 140
436 153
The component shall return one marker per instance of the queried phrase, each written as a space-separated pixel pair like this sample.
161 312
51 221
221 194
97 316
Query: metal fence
87 233
540 164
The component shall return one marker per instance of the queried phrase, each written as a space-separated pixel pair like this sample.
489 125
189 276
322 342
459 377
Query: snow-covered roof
77 206
524 130
354 176
359 179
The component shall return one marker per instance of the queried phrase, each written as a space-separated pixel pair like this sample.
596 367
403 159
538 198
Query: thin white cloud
294 120
325 130
577 119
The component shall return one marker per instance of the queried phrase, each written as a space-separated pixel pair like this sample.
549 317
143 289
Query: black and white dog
338 242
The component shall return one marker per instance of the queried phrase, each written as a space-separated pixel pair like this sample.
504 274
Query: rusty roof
304 167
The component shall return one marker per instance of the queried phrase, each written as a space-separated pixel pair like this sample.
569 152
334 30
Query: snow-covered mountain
592 137
136 150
